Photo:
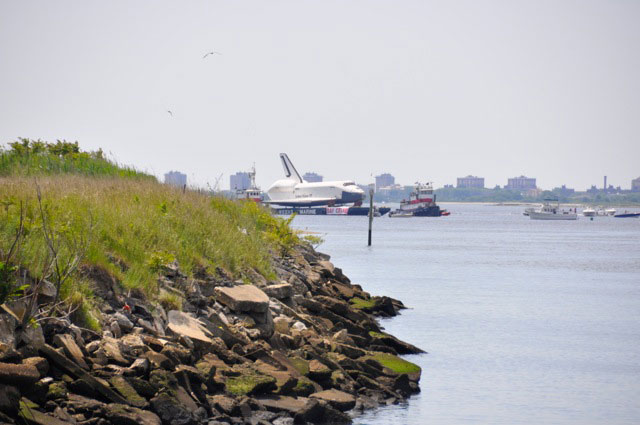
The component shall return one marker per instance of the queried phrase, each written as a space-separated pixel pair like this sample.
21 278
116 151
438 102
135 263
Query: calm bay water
525 322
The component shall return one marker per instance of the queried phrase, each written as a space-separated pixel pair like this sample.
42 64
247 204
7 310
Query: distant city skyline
428 91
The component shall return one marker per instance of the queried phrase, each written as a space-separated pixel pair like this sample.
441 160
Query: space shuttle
294 191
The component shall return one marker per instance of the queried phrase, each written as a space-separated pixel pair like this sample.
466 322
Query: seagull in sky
170 113
212 53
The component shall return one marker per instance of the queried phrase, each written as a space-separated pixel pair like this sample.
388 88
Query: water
525 322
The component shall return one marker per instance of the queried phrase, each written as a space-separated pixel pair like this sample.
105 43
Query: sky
424 90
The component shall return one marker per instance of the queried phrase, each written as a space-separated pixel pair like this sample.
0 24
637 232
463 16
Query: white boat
400 214
610 211
589 212
529 210
253 192
550 211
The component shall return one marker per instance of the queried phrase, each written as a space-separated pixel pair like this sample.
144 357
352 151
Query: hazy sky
424 90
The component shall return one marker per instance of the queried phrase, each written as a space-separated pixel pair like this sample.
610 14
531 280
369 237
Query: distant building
239 181
521 183
635 185
385 180
471 181
312 177
563 191
175 178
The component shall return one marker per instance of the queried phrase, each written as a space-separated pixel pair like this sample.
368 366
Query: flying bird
212 53
170 113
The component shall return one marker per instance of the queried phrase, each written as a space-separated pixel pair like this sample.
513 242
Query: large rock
249 382
320 412
280 291
18 374
283 403
338 399
124 387
122 414
71 349
182 324
73 369
243 298
9 399
171 411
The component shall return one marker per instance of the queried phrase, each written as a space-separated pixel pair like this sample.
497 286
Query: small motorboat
589 212
627 215
400 214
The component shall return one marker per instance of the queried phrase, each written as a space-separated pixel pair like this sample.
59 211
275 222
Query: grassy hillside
92 212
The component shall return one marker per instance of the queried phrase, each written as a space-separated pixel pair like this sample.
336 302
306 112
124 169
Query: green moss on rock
250 382
361 304
395 363
304 387
301 365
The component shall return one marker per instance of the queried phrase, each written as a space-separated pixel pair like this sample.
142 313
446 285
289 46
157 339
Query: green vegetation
82 210
375 334
361 304
395 363
37 158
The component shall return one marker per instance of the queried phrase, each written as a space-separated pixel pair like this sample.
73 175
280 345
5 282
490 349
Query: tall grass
131 227
27 157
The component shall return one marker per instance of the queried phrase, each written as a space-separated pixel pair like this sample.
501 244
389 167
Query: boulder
67 365
283 403
320 412
114 352
181 323
9 399
40 363
280 291
122 414
32 416
243 298
126 389
249 382
71 349
338 399
18 374
171 411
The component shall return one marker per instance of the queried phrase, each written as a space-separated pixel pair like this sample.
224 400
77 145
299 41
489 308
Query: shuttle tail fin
289 170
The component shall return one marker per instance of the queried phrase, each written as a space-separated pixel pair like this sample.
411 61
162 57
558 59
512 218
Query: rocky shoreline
303 349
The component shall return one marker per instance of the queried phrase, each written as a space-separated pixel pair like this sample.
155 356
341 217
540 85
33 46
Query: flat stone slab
338 399
243 298
71 349
182 324
283 403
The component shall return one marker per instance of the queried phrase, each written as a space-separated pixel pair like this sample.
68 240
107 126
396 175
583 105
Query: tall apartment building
239 181
471 181
635 185
521 183
312 177
175 178
385 180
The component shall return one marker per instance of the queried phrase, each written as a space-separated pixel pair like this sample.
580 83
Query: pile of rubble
304 349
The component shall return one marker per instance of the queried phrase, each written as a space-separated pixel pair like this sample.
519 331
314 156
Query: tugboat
421 203
253 192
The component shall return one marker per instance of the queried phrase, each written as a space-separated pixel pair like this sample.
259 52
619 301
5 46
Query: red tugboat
421 203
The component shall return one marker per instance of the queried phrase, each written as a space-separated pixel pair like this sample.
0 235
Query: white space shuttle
293 191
